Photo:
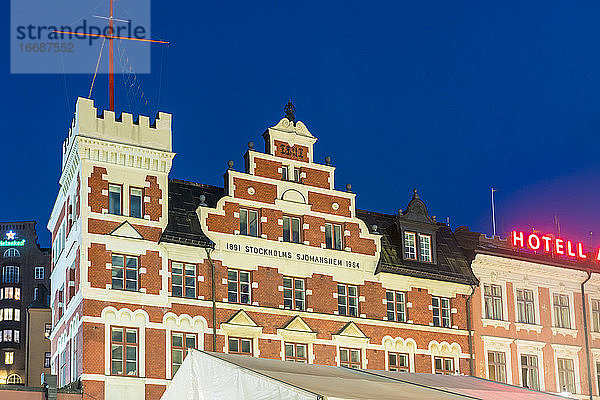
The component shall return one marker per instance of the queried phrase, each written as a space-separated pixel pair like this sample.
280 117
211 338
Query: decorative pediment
294 196
126 230
241 318
417 210
297 127
352 330
297 330
297 324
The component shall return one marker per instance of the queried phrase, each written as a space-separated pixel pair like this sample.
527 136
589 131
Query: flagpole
493 213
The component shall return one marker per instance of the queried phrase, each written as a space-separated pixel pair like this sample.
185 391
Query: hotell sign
550 244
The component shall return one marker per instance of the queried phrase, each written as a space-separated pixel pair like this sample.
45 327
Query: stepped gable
184 198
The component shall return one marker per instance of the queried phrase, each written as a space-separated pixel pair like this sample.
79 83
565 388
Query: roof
269 378
184 198
450 264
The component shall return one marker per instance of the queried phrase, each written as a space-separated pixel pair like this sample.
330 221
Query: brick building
530 319
25 269
277 263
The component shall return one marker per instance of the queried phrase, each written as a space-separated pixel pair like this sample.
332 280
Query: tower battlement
87 122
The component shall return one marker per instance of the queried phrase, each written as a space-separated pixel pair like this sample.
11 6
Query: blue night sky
449 97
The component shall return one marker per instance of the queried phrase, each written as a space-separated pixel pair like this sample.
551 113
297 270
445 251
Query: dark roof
184 198
450 264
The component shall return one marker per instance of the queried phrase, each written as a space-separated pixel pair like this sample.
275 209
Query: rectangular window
350 358
441 311
284 172
124 351
17 336
183 280
410 246
566 375
525 306
294 295
333 236
240 346
114 199
425 248
297 177
136 198
62 370
297 352
17 314
497 366
248 222
398 362
238 286
561 311
8 314
35 293
9 357
291 229
39 273
347 296
180 343
596 315
47 330
598 374
529 372
124 272
47 359
444 365
492 295
8 335
10 274
396 306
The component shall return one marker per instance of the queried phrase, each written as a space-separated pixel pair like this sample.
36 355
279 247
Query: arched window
12 253
14 379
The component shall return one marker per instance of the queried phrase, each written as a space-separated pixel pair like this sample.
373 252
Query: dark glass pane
190 292
117 261
233 345
243 222
328 236
253 223
177 340
176 291
190 341
131 336
245 346
117 335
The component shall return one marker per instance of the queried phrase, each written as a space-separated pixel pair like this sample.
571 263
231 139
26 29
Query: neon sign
549 244
10 240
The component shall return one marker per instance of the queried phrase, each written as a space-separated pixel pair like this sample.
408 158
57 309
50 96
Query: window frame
295 357
595 314
293 291
124 269
498 366
249 210
184 285
239 286
347 298
9 357
527 368
11 253
441 308
524 302
394 311
36 275
14 274
349 363
183 348
405 247
131 188
239 341
47 359
429 247
120 186
125 344
563 311
443 370
292 218
396 367
565 373
490 302
333 242
285 172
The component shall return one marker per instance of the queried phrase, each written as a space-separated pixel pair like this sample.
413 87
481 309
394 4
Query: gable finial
415 194
290 110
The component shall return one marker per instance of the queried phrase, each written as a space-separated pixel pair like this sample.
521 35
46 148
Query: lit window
441 311
11 253
240 346
47 359
561 311
114 199
497 366
291 229
425 247
350 358
444 365
180 343
529 372
347 296
39 273
248 222
596 315
396 306
16 314
35 293
296 352
525 306
8 314
398 362
238 286
47 330
135 202
14 379
17 336
10 274
183 280
124 351
9 357
124 272
410 246
492 295
566 375
333 236
293 293
8 335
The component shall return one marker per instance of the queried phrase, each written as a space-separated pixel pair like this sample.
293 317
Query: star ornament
10 235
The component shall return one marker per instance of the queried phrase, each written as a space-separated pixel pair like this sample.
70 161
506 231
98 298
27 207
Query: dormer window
417 244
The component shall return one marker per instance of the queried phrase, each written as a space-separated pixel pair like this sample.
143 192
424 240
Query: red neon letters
549 244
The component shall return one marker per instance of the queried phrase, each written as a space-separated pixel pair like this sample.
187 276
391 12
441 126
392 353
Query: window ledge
564 331
528 327
496 323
